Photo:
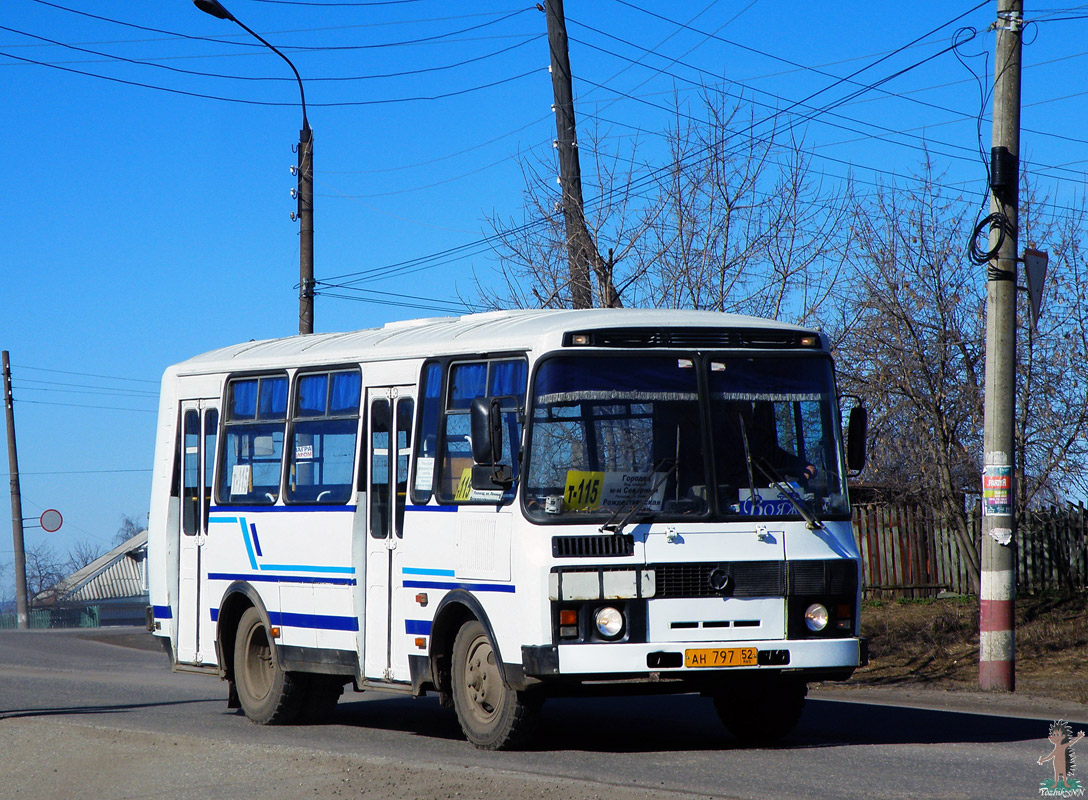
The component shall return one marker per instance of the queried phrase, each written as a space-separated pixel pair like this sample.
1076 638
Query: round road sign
51 520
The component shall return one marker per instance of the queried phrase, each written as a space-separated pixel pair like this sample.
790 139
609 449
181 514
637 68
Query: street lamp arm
217 9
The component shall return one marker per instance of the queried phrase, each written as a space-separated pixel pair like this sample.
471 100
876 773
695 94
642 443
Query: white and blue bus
503 507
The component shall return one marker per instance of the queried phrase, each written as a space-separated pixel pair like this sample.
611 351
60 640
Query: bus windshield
647 435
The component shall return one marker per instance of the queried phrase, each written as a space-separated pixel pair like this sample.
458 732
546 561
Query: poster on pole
997 490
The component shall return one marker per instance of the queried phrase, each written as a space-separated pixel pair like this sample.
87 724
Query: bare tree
44 569
1052 361
911 346
911 342
83 553
130 526
731 222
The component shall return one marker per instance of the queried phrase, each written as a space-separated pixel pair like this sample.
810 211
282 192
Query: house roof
112 576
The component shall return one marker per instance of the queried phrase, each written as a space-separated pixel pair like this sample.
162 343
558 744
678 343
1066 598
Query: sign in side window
504 379
324 429
253 434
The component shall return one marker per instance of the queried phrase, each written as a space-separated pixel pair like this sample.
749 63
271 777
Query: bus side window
405 406
379 468
190 480
430 405
253 434
211 431
322 451
503 378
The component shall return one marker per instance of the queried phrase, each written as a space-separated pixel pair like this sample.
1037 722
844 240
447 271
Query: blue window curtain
312 391
467 381
508 379
243 401
273 398
344 393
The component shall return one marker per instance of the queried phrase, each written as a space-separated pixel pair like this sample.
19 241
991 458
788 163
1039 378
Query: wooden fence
907 552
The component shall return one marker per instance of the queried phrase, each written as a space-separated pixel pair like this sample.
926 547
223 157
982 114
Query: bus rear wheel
760 709
267 693
492 715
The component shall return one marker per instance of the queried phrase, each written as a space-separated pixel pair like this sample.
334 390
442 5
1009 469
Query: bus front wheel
267 693
492 715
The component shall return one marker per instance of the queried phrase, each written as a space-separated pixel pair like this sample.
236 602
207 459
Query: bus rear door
199 423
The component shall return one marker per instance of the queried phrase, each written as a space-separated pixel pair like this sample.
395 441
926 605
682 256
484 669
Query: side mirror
485 418
857 429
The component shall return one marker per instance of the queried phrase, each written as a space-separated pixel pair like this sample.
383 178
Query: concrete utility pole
21 610
305 225
997 623
582 251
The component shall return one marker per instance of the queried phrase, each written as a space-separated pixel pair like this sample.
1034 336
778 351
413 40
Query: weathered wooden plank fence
907 552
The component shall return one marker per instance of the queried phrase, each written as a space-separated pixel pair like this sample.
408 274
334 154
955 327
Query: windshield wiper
640 502
779 482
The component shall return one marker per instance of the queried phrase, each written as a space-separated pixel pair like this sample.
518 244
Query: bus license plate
718 657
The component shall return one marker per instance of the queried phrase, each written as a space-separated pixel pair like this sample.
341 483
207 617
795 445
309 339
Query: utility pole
582 251
21 611
997 597
306 227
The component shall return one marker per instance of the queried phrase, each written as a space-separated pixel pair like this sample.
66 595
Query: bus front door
389 442
199 423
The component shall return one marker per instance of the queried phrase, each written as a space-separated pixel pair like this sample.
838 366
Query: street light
305 191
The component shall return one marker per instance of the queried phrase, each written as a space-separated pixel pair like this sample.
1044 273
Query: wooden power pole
997 595
21 610
581 249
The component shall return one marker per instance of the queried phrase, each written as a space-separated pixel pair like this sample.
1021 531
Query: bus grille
836 576
606 545
746 579
757 578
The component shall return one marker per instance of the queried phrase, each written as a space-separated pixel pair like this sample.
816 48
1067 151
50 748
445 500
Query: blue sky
146 217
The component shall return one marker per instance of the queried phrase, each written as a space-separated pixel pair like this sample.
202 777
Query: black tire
268 694
493 716
760 709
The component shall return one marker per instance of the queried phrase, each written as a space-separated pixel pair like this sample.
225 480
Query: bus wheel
492 715
268 694
760 709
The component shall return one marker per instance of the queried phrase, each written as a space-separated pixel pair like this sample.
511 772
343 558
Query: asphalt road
106 718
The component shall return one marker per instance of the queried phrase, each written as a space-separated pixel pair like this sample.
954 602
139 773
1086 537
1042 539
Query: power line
83 374
244 101
109 57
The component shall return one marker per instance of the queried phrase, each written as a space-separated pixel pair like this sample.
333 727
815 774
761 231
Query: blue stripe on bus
442 573
430 508
162 612
256 541
309 568
249 544
417 627
472 587
276 509
242 576
323 622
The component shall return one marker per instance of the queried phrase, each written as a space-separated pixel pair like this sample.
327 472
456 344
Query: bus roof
491 332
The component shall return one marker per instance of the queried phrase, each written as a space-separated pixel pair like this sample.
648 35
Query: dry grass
936 642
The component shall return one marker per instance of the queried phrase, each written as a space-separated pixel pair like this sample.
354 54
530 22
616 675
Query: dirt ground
934 643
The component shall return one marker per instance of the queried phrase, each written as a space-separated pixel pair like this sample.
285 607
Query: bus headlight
816 617
609 622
